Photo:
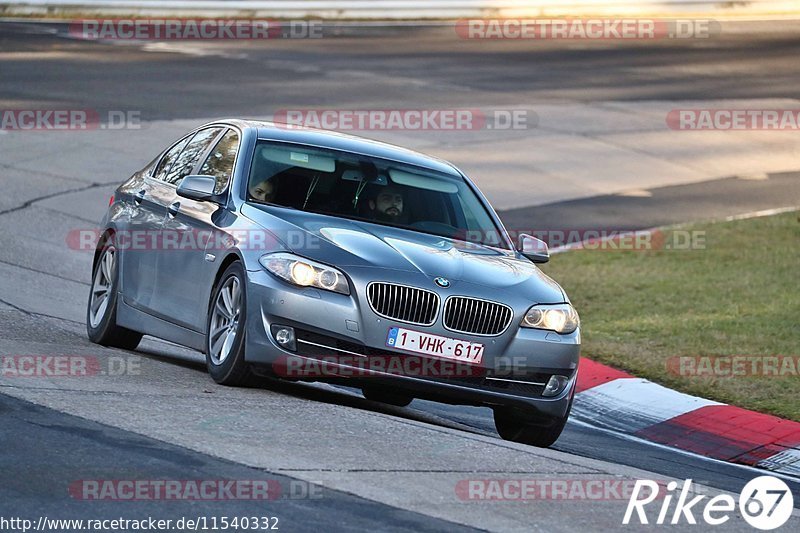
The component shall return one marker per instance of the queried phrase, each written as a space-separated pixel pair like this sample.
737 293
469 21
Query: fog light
555 385
284 336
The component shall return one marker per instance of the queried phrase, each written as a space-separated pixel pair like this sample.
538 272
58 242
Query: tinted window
371 189
169 158
190 155
219 162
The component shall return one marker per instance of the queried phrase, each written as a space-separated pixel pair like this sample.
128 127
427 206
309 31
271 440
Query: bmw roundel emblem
442 282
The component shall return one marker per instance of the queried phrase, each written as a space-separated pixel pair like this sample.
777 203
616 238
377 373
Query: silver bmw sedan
300 254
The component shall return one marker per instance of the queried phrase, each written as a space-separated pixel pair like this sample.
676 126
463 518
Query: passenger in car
263 191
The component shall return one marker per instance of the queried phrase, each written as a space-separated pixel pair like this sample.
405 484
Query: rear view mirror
198 187
534 249
309 159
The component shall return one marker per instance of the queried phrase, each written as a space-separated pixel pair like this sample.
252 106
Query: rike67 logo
765 503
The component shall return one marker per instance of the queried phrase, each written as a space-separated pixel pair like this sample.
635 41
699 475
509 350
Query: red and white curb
618 401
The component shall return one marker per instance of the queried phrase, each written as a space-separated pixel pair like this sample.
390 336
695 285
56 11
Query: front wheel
225 330
101 310
520 427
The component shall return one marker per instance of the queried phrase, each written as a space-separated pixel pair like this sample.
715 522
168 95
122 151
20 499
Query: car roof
340 141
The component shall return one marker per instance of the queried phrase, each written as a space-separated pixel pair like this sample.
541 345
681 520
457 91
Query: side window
188 158
219 162
164 165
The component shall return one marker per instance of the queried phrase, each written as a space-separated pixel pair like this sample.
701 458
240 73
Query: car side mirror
533 248
198 187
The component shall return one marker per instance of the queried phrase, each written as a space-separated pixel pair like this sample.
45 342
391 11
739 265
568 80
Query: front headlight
561 318
304 272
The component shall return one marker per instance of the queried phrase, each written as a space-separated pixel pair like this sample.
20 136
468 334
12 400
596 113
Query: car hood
350 243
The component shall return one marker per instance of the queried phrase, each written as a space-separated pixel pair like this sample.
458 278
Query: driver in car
387 205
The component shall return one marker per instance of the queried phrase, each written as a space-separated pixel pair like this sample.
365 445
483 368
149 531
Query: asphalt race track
369 465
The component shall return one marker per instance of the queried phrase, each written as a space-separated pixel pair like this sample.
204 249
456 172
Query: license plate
425 343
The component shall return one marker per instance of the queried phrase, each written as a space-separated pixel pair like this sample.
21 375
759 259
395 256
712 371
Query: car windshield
379 191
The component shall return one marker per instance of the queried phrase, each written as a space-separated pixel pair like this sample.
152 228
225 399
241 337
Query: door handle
138 198
173 209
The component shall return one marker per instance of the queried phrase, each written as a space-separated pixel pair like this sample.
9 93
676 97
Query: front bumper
349 339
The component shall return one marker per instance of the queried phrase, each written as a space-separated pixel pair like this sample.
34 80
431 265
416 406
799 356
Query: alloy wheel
225 320
102 285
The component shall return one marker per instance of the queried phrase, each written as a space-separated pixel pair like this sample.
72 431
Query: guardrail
402 9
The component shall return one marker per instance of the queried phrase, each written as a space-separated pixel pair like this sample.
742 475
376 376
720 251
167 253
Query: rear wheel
225 337
518 426
388 397
101 311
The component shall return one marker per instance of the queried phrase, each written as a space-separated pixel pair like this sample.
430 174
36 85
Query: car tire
397 399
225 330
101 309
517 426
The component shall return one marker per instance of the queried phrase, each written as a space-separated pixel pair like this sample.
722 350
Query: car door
138 243
183 272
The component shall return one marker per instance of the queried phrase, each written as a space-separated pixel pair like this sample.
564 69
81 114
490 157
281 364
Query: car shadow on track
313 391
